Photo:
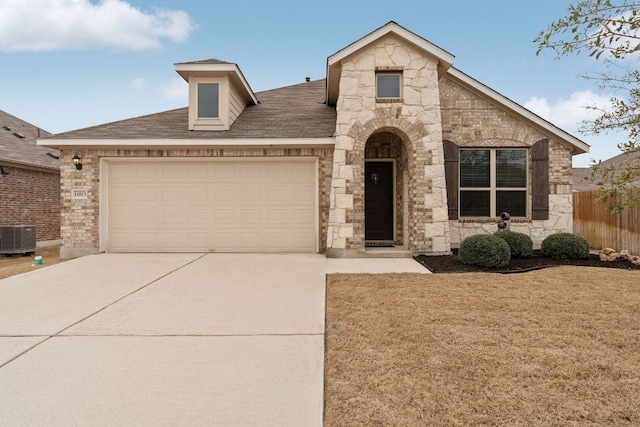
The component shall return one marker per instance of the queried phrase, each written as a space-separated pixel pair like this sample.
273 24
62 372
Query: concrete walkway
164 339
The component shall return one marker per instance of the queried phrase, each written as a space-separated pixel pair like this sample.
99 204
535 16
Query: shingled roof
18 144
295 111
583 181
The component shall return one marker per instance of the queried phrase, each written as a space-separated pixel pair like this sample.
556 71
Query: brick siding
31 197
80 218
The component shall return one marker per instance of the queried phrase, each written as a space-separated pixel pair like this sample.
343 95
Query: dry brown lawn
18 264
554 347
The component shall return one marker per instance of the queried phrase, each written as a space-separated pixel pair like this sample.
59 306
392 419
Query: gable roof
292 112
444 58
577 146
18 144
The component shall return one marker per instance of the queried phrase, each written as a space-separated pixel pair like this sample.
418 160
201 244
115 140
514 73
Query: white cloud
138 83
175 90
46 25
569 113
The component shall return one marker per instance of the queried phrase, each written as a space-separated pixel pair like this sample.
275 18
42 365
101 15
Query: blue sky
69 64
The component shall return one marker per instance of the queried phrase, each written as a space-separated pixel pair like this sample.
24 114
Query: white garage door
211 205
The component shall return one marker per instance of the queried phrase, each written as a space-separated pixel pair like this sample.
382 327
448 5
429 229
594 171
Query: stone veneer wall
471 121
80 218
416 120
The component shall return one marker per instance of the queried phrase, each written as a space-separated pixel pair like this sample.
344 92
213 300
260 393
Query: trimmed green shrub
485 250
520 244
565 246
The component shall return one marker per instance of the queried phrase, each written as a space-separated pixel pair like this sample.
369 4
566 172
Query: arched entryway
385 189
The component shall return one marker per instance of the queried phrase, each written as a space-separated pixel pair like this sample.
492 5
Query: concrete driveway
165 339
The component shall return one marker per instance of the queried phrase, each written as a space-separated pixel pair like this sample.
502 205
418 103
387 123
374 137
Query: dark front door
378 201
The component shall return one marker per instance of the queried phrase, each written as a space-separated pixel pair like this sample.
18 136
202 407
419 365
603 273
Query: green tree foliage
608 32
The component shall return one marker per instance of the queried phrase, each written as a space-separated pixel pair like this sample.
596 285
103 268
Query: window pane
511 168
475 168
388 85
474 203
208 100
514 202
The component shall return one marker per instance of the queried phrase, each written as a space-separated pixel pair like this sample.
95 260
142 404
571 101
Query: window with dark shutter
451 173
540 184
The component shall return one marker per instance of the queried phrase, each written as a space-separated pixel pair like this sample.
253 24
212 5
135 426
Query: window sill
485 220
389 100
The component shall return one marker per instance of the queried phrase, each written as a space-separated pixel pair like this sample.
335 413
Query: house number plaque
78 194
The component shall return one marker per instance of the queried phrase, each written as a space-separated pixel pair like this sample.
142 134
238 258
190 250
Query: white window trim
209 123
492 182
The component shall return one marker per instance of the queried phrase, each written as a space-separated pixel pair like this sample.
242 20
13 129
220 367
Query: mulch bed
451 264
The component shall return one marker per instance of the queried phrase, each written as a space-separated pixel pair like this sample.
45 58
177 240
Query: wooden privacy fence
593 221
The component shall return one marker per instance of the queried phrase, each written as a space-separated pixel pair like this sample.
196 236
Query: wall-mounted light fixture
3 171
76 161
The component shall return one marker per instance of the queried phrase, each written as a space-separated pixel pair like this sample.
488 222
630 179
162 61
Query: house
395 148
29 179
583 180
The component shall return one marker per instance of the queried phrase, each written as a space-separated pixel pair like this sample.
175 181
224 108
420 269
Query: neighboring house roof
18 144
296 111
583 181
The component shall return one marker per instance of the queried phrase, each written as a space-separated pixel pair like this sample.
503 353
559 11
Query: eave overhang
100 144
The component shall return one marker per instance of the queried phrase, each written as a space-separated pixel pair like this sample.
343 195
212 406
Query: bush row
496 250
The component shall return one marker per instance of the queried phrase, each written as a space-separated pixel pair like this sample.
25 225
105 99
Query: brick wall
81 220
470 120
31 197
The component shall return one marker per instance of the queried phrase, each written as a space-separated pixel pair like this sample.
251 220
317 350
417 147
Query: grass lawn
553 347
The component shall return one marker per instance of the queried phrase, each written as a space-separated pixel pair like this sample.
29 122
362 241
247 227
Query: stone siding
80 217
31 197
471 121
415 120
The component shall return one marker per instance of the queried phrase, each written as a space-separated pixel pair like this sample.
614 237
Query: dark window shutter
451 174
540 177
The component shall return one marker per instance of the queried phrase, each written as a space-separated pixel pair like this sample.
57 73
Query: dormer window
209 103
218 93
208 100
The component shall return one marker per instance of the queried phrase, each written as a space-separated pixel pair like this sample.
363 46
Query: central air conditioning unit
17 239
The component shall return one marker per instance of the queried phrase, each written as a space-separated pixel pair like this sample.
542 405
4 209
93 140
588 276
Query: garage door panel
302 216
303 194
250 217
198 217
224 193
250 194
146 193
303 242
145 172
214 205
171 193
225 170
280 193
173 217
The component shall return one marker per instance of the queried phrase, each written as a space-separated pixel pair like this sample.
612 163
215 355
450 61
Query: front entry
378 201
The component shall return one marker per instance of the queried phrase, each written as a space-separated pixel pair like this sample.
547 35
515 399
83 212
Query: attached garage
209 205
